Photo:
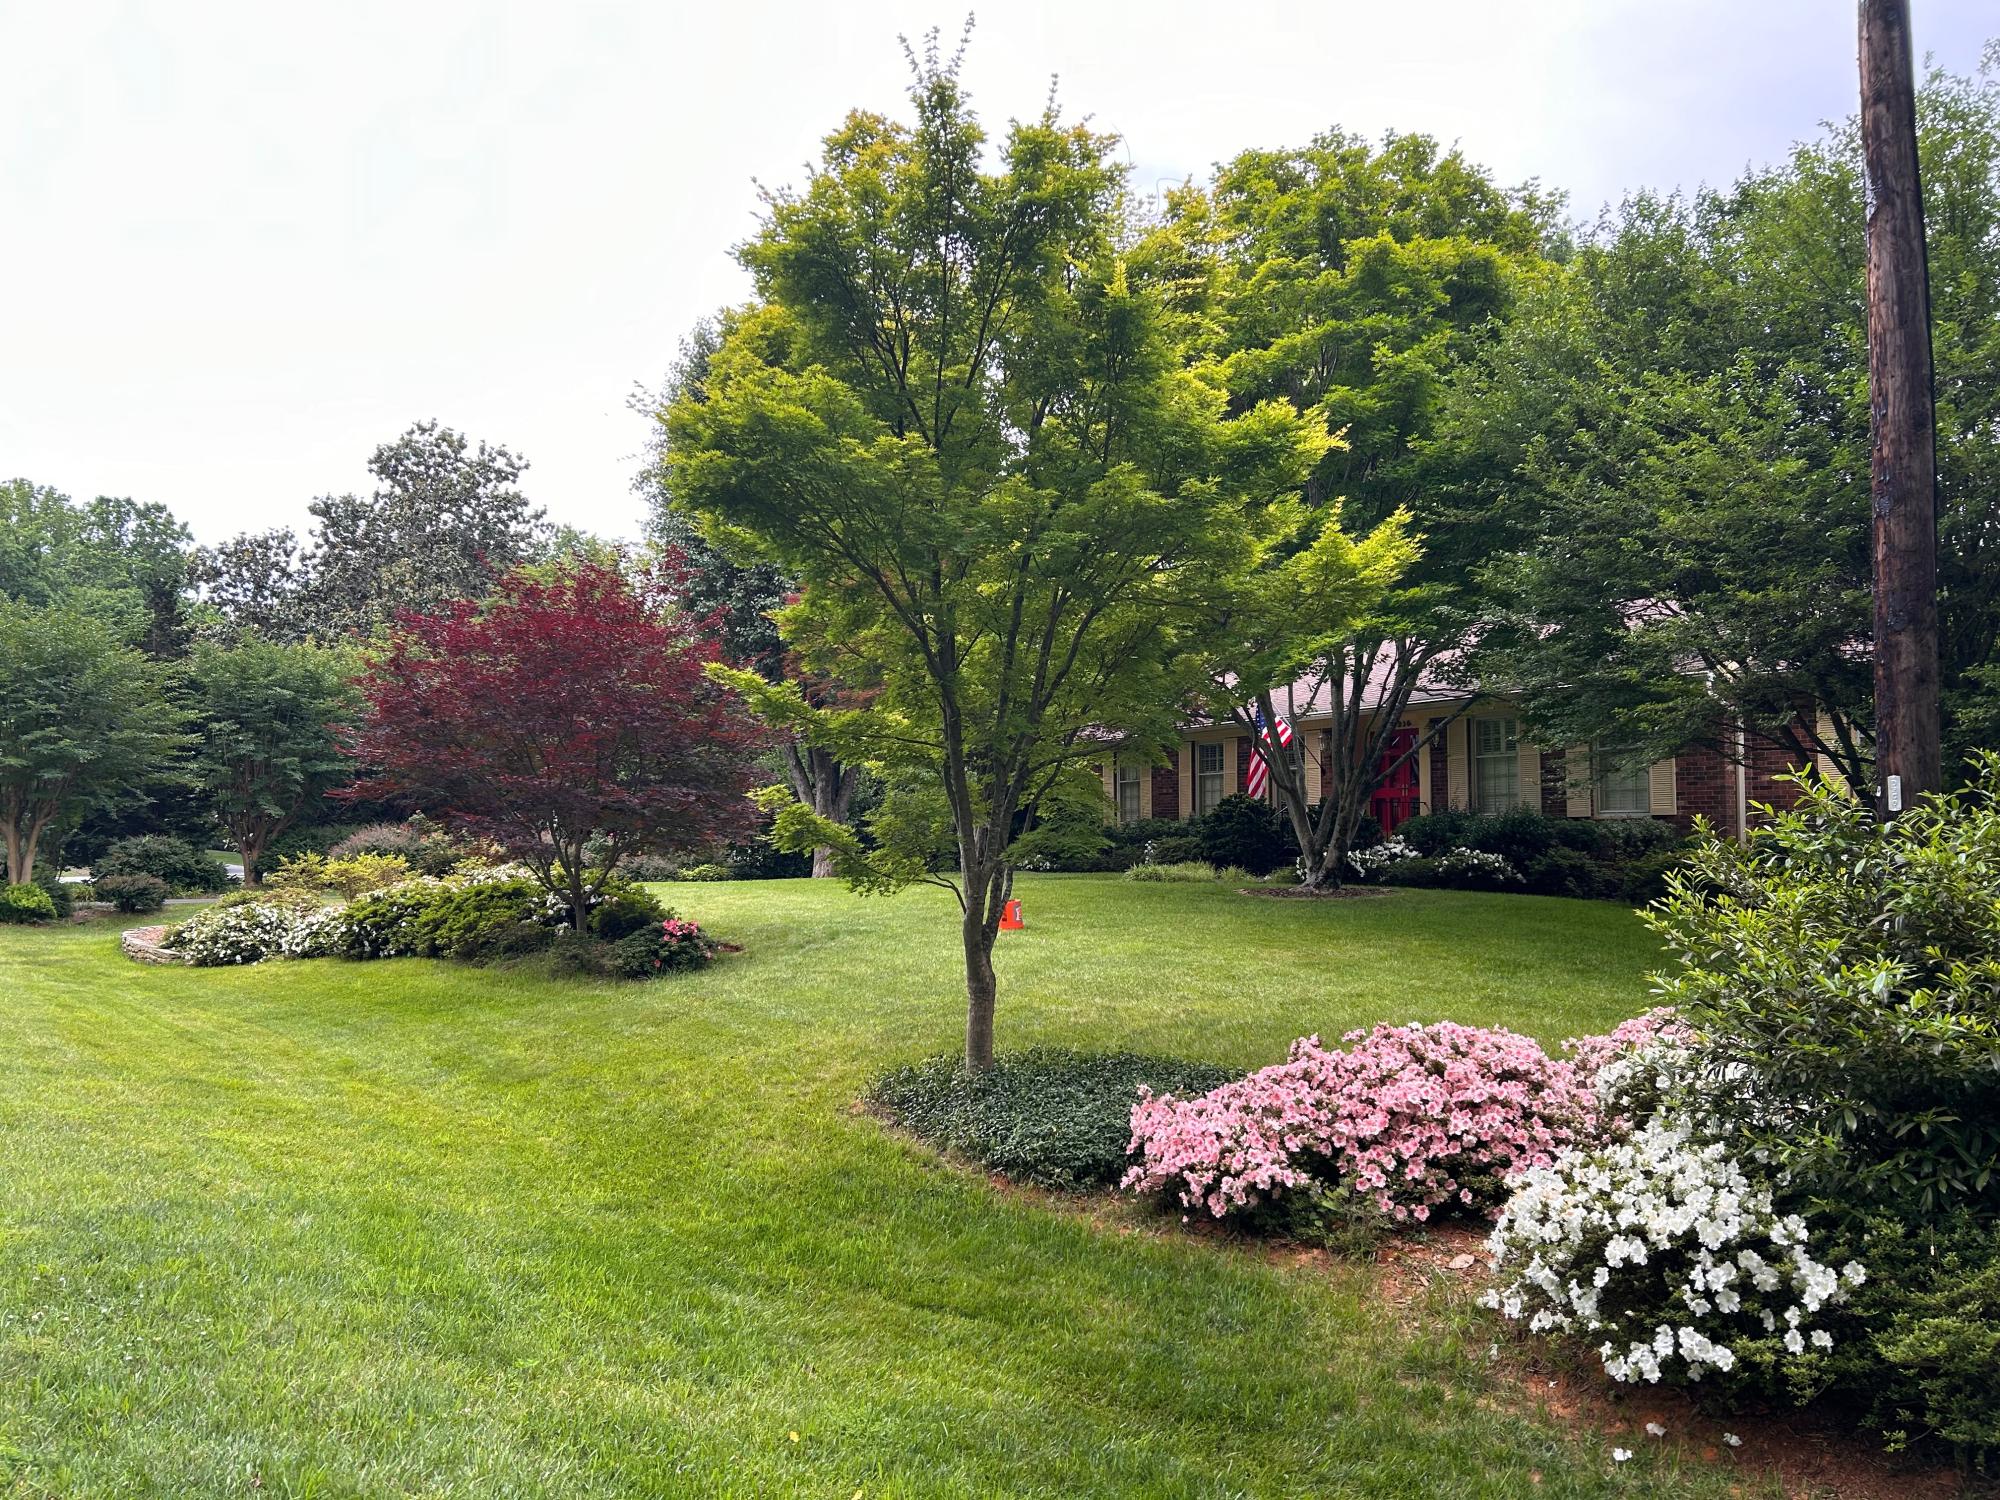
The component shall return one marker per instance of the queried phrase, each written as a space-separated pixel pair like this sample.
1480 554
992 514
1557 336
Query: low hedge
1050 1116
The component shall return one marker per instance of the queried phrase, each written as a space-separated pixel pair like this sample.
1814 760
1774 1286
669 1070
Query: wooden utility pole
1902 418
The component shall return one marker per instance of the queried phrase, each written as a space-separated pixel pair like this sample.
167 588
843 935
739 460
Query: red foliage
563 708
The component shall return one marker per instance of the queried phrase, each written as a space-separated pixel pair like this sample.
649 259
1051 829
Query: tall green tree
1350 281
445 518
268 719
742 595
959 423
1680 429
124 561
85 719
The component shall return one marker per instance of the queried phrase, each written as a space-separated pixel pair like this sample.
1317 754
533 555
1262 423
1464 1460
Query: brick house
1479 762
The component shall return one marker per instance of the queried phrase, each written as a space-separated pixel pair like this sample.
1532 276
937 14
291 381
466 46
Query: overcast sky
240 245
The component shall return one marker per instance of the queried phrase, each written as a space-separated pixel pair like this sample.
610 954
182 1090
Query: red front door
1398 794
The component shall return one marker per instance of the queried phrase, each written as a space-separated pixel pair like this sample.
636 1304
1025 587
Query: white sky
241 244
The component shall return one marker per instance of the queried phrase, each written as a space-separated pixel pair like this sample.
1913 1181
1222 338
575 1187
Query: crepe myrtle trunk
251 850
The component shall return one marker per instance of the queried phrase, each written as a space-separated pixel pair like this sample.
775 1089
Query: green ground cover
324 1229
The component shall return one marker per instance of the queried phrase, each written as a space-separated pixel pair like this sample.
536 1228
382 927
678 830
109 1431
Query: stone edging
143 944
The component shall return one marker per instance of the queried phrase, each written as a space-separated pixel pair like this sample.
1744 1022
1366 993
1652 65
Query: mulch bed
1300 893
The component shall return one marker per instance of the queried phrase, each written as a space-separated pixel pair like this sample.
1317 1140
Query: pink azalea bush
1589 1054
1409 1117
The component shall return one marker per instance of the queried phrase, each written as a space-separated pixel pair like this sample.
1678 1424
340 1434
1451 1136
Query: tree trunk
251 850
981 987
826 786
15 875
1902 418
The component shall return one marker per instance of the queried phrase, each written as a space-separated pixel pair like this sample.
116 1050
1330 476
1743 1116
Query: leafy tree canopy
568 719
120 560
956 417
269 716
84 718
1679 427
444 519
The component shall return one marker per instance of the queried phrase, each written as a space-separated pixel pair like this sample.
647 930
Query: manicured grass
323 1229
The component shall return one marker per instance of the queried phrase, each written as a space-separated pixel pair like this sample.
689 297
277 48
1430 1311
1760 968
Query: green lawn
407 1229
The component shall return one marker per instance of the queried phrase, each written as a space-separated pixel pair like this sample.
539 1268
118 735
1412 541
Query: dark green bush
666 947
26 903
382 923
64 894
624 910
1432 833
1049 1116
493 919
1242 831
1569 872
1917 1345
1842 974
1176 849
183 867
134 893
1643 881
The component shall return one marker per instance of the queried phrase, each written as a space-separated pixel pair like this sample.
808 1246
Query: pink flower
1405 1114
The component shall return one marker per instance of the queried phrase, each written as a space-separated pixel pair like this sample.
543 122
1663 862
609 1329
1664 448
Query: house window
1624 784
1128 794
1496 765
1207 779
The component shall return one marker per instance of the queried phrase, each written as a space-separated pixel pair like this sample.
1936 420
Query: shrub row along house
1463 749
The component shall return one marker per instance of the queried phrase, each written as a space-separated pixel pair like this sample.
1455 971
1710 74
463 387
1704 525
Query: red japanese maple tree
567 718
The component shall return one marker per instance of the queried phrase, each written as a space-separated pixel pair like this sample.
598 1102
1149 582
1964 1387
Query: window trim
1137 782
1642 775
1220 773
1510 750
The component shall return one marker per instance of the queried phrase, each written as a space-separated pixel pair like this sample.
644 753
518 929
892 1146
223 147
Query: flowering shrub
1399 863
674 944
1662 1252
1368 863
240 934
1410 1118
1457 864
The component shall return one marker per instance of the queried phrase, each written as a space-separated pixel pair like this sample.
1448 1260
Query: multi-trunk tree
741 597
1350 281
268 722
956 418
567 718
84 720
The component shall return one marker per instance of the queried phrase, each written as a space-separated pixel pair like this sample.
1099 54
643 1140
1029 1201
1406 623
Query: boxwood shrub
1050 1116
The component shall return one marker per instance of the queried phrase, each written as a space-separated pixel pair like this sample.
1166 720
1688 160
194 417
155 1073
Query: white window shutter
1530 764
1662 791
1457 766
1577 773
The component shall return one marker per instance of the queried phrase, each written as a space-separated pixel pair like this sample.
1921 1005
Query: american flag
1260 769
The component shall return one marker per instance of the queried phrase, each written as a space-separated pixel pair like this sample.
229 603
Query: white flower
1619 1455
1732 1439
1655 1429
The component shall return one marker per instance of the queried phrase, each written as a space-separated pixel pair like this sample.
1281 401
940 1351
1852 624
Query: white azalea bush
1660 1251
241 934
